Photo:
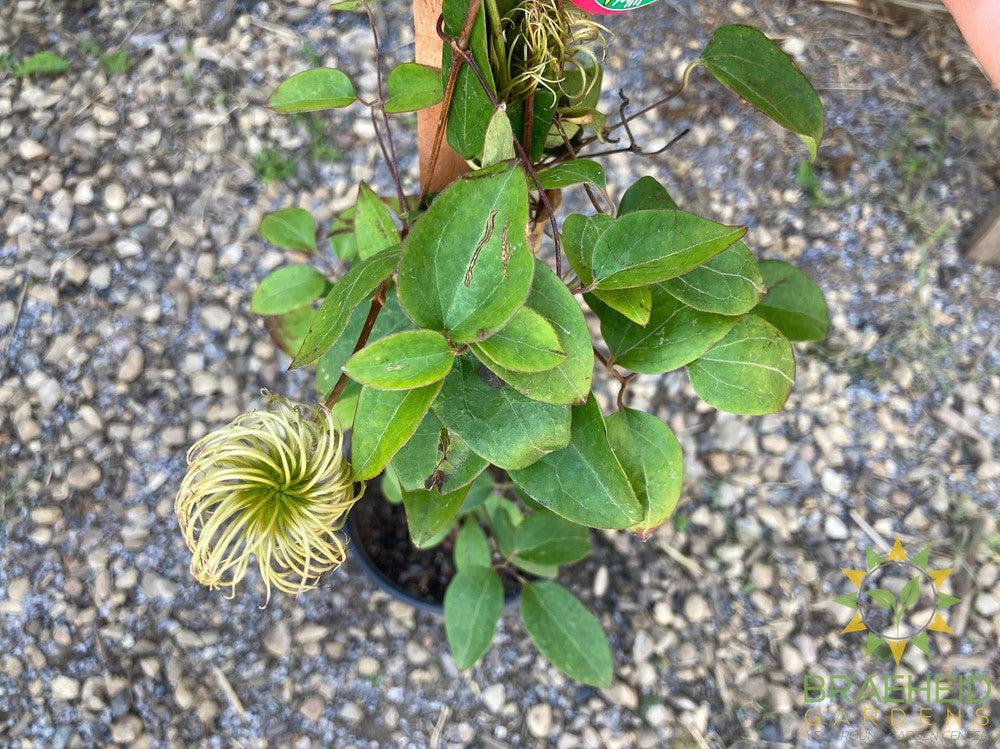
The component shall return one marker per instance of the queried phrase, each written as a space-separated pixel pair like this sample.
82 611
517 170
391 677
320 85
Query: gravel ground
128 207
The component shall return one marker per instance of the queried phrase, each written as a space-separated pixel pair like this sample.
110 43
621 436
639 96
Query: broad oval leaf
750 371
528 343
794 304
288 288
674 336
313 91
729 284
579 237
330 365
413 86
374 229
546 538
402 361
636 303
472 548
473 604
645 194
748 63
648 246
429 513
574 172
357 285
583 482
290 228
384 421
497 422
566 633
499 142
288 329
466 265
653 462
569 382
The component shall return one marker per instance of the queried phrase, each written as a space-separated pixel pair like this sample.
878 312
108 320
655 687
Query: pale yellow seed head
273 485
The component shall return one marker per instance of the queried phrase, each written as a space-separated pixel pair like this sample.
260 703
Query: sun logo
898 601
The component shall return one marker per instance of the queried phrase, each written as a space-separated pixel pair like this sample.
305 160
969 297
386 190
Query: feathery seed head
273 485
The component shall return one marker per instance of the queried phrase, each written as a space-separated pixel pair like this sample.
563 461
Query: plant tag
607 7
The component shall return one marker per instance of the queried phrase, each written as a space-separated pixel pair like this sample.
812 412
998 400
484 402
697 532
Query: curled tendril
273 485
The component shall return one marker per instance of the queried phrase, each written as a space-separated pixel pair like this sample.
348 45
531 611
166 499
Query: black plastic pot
385 581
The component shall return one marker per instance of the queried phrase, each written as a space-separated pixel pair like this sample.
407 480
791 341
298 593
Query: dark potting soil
382 531
379 526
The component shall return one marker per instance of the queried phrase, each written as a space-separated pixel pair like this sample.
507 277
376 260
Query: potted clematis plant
452 344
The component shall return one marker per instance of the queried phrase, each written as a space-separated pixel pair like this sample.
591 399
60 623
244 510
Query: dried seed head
273 485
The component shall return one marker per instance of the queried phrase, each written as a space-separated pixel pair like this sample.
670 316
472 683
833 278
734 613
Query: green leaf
313 91
498 145
569 382
503 518
466 265
528 343
374 229
645 194
402 361
728 284
473 604
566 633
290 228
545 538
909 594
347 5
579 236
357 285
481 487
385 420
41 63
288 329
674 336
346 407
504 427
430 512
413 86
534 568
582 85
574 172
472 549
750 371
471 109
653 461
884 599
435 457
748 63
636 303
794 304
648 246
584 482
330 366
288 288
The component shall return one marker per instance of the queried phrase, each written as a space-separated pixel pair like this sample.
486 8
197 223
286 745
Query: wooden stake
428 52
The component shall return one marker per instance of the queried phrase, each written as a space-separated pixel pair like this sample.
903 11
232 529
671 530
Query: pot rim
382 580
390 586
